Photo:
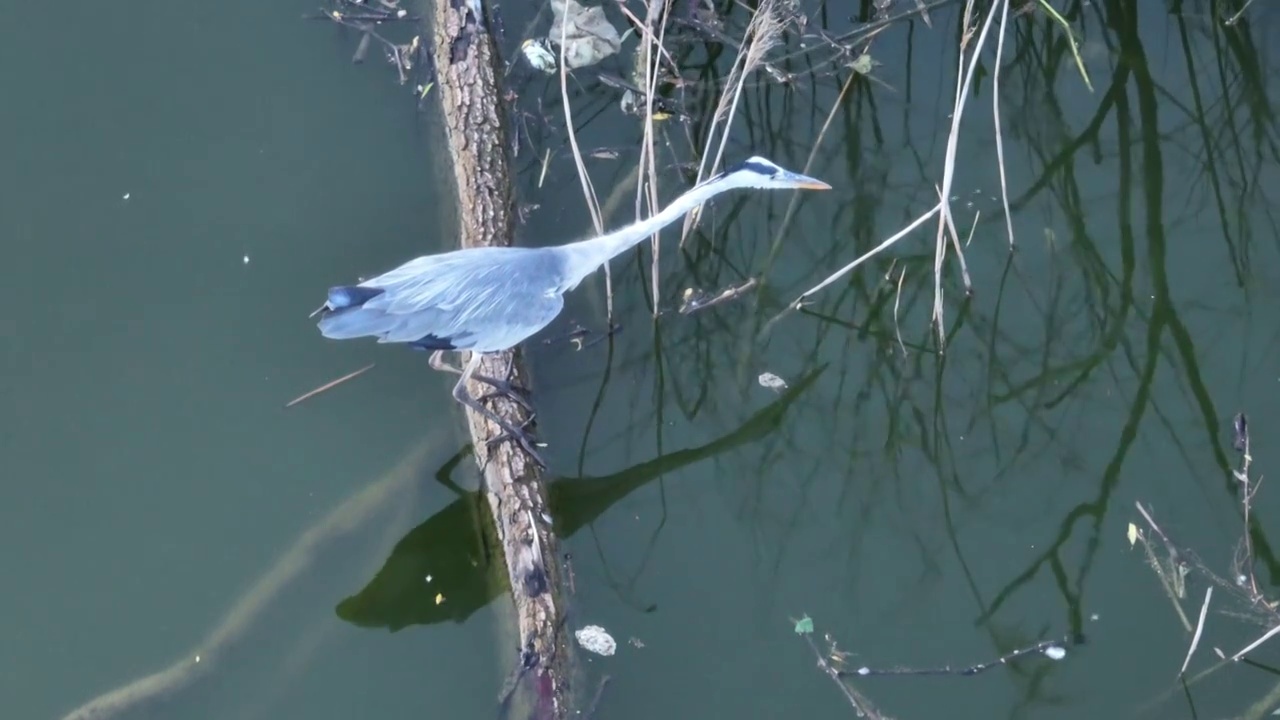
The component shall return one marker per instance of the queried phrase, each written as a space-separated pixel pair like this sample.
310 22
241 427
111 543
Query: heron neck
586 256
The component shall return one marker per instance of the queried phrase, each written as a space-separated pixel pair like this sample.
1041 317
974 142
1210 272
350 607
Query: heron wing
484 299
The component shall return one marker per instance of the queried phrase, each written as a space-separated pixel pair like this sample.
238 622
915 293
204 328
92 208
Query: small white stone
126 196
246 259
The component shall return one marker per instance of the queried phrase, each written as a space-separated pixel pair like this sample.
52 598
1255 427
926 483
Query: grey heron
490 299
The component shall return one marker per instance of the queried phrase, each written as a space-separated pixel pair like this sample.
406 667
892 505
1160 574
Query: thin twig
1055 649
329 385
692 305
399 54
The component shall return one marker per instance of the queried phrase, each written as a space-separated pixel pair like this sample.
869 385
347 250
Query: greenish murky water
183 181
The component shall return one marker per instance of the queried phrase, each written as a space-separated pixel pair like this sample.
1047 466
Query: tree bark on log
467 65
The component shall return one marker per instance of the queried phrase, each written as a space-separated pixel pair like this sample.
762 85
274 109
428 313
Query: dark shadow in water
450 566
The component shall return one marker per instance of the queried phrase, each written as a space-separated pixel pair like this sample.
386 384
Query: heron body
490 299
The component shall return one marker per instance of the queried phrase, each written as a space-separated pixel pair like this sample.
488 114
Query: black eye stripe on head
756 167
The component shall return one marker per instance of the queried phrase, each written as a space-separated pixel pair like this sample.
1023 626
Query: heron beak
804 182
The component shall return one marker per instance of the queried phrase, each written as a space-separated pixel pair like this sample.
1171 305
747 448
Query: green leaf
804 626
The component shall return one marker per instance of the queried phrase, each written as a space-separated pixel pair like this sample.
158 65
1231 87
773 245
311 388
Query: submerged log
466 61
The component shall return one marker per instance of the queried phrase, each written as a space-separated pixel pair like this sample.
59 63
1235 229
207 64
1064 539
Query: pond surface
183 181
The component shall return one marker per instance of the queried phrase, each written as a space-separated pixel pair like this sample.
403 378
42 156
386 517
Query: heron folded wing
483 299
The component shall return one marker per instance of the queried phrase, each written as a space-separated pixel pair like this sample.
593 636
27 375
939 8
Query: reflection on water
923 507
458 549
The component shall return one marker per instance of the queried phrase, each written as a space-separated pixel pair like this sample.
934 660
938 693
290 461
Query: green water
181 182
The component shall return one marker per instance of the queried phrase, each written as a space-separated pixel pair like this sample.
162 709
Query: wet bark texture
467 83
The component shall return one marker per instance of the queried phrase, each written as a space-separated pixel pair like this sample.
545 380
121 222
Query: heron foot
522 437
504 388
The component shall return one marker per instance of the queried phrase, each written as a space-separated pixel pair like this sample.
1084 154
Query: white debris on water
771 381
1055 652
585 31
597 640
538 53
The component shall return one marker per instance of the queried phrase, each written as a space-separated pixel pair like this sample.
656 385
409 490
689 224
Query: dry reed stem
648 31
588 190
647 155
995 114
761 35
799 301
964 79
973 227
648 158
1071 38
897 298
946 222
1236 18
1269 634
1195 639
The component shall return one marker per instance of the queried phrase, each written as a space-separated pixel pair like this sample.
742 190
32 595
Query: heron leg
520 435
436 361
502 388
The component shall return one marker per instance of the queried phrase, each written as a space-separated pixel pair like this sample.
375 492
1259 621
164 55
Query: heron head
757 172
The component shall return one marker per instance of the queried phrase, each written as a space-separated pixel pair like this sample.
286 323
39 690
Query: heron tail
344 317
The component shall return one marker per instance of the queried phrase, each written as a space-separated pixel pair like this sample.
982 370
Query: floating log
467 83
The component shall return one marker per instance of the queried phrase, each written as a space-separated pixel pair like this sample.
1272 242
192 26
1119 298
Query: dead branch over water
1174 566
834 663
